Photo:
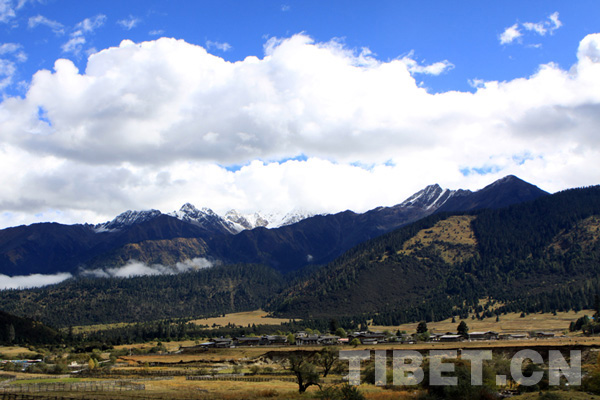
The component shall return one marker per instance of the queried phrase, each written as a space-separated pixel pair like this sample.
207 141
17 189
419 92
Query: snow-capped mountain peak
265 219
204 217
232 222
432 197
127 218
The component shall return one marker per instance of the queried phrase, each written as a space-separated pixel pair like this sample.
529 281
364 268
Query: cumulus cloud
194 127
56 26
136 268
31 281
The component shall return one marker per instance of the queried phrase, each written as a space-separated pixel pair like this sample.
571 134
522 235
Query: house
316 340
435 337
247 341
272 340
489 335
368 337
512 336
222 342
544 335
308 340
451 338
328 340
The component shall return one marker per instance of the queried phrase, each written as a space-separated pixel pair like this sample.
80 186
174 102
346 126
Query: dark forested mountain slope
434 266
84 301
502 193
18 330
153 237
536 255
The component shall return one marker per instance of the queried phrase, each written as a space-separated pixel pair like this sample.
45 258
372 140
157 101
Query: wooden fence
99 386
20 396
240 378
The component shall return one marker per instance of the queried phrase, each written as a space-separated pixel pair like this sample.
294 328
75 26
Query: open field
163 374
12 352
256 317
509 323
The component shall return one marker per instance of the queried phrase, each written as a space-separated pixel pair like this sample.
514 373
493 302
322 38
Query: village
303 338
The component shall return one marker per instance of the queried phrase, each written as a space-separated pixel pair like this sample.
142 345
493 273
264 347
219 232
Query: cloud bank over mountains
131 269
311 125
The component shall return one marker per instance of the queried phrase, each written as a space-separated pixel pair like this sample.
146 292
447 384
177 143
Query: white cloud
7 72
30 281
223 46
87 26
87 145
56 26
432 69
129 23
156 32
555 22
74 45
7 11
15 50
539 27
137 268
510 34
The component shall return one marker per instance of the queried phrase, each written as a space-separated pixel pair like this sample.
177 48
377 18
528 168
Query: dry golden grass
14 351
509 323
179 387
566 395
256 317
586 234
443 236
97 328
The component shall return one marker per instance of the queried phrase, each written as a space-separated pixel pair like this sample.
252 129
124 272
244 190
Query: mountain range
152 237
532 256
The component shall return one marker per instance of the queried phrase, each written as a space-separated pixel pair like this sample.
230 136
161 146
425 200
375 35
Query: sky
319 106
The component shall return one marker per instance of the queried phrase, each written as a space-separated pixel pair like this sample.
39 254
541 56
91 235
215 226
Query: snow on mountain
204 217
128 218
432 197
267 220
232 222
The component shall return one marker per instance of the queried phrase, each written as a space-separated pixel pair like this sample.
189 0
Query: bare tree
305 371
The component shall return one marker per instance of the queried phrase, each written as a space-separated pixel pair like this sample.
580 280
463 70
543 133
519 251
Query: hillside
155 238
438 266
541 255
20 330
86 301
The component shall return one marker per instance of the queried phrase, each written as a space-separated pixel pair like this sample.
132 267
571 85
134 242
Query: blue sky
314 105
465 33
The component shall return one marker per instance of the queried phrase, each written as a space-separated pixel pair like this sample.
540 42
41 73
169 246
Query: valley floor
247 373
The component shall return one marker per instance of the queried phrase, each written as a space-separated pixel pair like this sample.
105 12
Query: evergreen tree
463 329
